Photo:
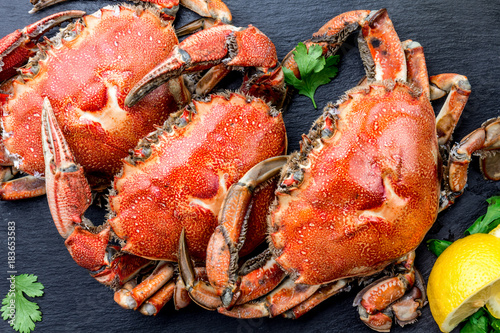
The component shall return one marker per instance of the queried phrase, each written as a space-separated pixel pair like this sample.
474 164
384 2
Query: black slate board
458 36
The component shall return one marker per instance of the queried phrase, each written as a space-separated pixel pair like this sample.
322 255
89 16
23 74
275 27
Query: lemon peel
465 277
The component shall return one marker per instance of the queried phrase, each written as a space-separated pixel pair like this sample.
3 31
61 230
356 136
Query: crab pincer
224 45
15 50
17 47
358 197
207 8
101 49
69 196
232 227
175 180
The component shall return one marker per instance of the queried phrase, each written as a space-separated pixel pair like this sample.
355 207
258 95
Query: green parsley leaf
26 312
477 323
489 221
314 70
437 246
494 322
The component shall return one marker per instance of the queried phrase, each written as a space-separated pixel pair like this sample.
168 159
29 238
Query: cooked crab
177 176
86 71
358 197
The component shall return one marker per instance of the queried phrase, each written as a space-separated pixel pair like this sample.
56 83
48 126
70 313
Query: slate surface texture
458 36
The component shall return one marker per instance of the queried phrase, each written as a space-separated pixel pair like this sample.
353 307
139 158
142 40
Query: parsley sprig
314 70
26 312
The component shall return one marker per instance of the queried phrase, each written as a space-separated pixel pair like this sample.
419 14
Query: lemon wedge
465 277
496 231
493 304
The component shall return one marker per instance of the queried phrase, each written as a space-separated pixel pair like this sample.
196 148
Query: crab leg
155 303
380 300
63 176
257 278
15 50
229 236
486 139
235 47
381 49
281 299
18 46
211 78
416 67
192 27
200 292
489 155
181 295
458 89
132 299
208 8
319 296
21 188
68 195
379 44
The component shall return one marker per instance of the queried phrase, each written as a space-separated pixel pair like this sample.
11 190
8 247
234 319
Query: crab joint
200 292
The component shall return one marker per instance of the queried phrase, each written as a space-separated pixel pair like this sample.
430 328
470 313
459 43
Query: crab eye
70 35
184 119
293 179
326 133
35 69
170 11
142 153
181 122
69 169
328 128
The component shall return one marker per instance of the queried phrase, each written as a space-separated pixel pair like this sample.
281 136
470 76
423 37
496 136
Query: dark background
458 36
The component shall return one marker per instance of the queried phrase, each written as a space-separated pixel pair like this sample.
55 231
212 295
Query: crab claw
18 46
207 8
200 292
68 191
330 36
224 245
220 44
228 238
69 196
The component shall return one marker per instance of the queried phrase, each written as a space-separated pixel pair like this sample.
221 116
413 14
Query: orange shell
370 192
184 181
86 80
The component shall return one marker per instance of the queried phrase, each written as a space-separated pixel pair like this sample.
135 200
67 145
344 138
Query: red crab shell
369 193
86 78
190 168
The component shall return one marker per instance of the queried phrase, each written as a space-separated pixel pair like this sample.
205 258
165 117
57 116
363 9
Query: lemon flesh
465 277
496 231
493 304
